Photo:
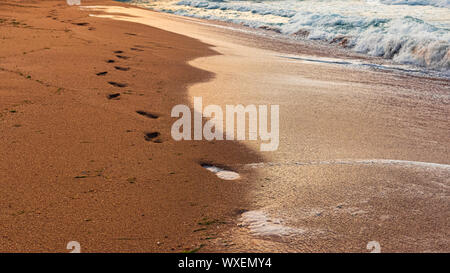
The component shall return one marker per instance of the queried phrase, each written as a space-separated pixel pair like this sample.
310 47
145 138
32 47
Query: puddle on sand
221 173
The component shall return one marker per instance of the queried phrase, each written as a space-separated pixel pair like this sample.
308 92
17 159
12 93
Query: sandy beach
76 165
87 153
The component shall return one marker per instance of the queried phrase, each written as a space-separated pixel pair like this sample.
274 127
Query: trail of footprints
148 136
53 14
120 68
154 136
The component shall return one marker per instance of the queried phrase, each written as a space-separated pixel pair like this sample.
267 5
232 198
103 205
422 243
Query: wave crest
407 40
434 3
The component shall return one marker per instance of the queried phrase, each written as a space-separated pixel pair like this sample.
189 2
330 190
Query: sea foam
412 32
434 3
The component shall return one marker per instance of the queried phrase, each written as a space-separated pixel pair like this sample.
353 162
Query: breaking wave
434 3
412 32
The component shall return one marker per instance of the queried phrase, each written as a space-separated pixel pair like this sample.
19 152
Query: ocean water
411 32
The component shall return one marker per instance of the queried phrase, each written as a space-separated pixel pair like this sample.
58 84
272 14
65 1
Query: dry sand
76 165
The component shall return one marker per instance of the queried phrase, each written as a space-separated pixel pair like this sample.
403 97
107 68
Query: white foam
434 3
406 163
221 173
405 40
413 32
401 162
261 225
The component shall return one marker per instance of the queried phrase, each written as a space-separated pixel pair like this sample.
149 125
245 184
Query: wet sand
79 163
357 154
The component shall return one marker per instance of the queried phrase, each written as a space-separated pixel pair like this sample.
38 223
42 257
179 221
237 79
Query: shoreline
353 164
366 127
290 43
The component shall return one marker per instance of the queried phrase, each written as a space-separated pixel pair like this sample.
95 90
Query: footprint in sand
118 51
102 73
114 96
81 24
116 84
147 114
110 61
122 68
136 49
122 57
221 173
153 137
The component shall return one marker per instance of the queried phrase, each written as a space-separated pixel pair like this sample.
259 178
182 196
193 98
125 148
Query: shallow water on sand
363 155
